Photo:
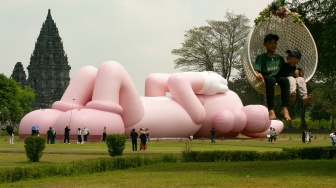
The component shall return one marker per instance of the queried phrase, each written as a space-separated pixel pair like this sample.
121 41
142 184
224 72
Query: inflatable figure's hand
213 84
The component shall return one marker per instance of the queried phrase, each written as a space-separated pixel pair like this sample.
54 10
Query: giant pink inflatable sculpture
108 98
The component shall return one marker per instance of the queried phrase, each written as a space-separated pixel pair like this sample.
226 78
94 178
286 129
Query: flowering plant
278 8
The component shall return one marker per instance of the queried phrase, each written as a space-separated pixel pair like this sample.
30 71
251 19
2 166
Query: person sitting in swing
295 76
267 66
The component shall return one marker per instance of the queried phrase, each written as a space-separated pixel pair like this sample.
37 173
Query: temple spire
49 14
48 69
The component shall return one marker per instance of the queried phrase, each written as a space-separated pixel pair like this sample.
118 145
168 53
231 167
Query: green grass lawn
293 173
296 173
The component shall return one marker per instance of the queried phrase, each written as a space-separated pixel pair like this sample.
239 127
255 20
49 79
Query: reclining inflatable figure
175 105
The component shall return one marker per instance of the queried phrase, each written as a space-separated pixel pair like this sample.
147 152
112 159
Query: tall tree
320 18
14 101
215 47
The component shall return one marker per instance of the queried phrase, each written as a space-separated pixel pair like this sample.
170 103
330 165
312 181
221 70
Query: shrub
310 153
115 144
34 145
169 158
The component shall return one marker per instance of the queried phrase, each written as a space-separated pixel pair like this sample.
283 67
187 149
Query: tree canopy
14 101
215 47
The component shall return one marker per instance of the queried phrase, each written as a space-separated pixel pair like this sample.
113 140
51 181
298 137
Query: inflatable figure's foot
44 118
284 112
95 120
272 115
276 124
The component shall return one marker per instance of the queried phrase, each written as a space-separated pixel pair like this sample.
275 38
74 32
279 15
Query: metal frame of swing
291 35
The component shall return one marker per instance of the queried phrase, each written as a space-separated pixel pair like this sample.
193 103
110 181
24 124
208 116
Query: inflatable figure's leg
115 103
77 94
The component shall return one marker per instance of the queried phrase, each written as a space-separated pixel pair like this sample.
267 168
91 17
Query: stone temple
48 69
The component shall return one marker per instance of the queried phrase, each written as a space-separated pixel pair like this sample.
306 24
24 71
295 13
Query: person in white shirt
85 133
333 138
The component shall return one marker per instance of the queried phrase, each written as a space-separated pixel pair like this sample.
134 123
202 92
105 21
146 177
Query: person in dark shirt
295 76
143 140
212 134
267 66
10 131
49 135
134 139
303 136
67 134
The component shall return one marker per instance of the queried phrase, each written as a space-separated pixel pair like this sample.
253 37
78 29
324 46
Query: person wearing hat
267 66
295 76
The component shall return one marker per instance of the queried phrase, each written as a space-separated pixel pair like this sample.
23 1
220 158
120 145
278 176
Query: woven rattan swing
292 35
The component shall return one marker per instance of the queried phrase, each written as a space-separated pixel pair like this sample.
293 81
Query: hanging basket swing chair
292 34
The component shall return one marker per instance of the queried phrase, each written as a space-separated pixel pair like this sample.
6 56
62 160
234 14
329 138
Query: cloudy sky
139 34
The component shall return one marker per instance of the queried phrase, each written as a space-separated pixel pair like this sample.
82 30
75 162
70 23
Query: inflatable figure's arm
213 84
183 87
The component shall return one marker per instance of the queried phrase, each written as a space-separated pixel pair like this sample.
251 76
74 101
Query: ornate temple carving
19 74
48 69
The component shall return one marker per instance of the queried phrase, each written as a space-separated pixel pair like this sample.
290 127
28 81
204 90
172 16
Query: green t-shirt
268 66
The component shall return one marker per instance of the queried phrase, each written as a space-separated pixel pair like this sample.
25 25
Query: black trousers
134 145
270 82
66 138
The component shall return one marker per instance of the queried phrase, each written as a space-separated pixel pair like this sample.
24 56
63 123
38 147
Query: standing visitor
309 136
53 136
143 141
104 135
134 139
79 136
67 134
86 133
10 131
147 134
270 135
333 139
212 135
303 136
274 135
49 135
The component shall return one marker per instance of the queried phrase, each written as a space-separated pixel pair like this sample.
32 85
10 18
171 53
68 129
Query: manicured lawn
297 173
294 173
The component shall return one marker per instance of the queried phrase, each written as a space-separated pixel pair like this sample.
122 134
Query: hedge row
81 167
285 154
122 162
